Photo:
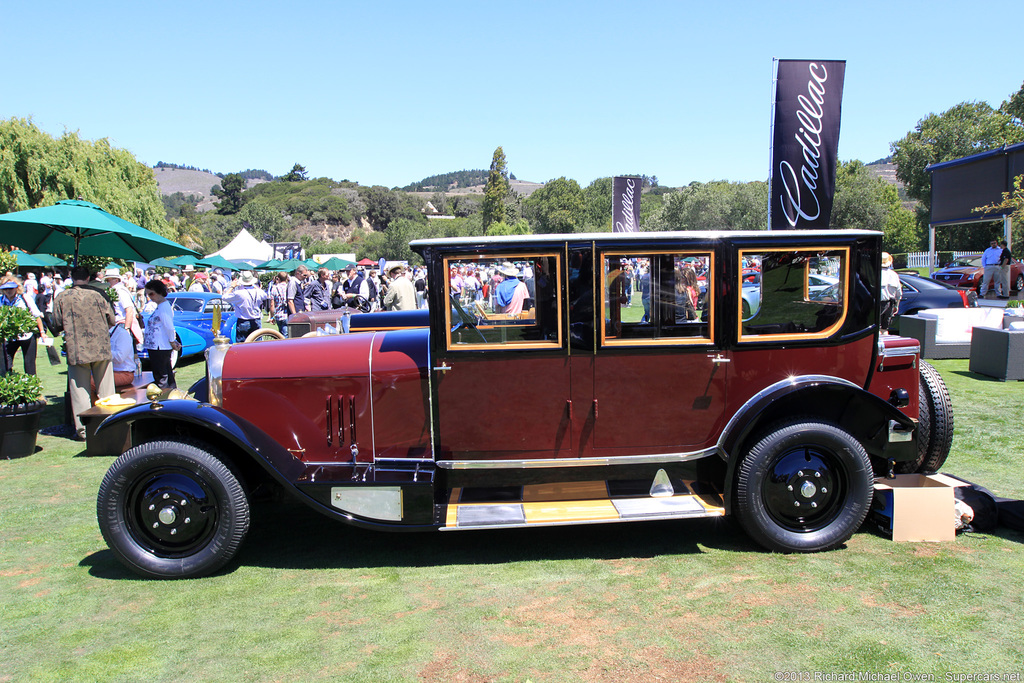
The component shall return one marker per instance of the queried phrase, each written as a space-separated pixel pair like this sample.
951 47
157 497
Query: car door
501 371
659 373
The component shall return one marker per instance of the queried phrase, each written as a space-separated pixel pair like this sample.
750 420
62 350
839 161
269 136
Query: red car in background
967 272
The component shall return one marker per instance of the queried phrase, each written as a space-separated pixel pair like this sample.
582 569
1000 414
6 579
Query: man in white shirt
247 297
124 302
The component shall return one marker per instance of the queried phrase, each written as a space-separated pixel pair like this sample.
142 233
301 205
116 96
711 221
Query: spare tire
934 425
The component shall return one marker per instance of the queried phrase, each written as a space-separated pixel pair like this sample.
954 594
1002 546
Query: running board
575 503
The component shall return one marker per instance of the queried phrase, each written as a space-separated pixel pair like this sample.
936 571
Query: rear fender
830 399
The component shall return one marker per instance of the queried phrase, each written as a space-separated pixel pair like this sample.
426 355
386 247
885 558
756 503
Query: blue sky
390 92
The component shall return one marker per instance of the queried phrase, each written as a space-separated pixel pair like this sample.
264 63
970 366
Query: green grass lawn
309 599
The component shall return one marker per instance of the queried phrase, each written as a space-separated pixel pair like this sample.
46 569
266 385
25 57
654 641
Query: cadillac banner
805 142
626 204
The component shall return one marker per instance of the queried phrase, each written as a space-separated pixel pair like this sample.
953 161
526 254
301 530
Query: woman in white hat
11 295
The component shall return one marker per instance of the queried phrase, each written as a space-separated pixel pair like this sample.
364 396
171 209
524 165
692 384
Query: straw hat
886 259
509 270
246 278
112 273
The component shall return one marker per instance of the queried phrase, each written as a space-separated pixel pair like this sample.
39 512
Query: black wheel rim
805 488
171 512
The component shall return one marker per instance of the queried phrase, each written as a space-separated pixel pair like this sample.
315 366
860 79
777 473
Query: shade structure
216 261
337 263
76 227
50 259
164 263
272 264
367 262
289 266
189 260
29 260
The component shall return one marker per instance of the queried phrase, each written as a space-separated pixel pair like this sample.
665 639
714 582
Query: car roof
194 295
686 236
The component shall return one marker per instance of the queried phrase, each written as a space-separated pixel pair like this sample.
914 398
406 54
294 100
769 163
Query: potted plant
21 396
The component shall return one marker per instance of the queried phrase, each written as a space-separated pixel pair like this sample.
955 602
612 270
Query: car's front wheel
805 486
172 510
1019 283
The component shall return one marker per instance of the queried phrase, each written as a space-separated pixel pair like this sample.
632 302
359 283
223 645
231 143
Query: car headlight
215 356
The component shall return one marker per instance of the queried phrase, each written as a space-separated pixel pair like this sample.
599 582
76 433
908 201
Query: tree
558 207
863 201
264 219
1012 205
496 190
38 170
298 173
230 194
965 129
718 205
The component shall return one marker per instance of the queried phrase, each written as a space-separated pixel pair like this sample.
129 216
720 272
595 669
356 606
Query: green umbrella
182 261
29 260
50 259
163 263
337 263
217 262
272 264
76 227
289 266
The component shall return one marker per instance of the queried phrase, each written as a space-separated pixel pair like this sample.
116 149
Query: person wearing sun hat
124 302
247 298
511 292
892 291
11 295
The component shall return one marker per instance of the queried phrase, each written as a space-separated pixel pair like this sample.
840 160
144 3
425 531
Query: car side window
657 297
504 300
794 294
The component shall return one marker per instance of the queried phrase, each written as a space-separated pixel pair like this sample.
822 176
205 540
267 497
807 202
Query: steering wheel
465 319
361 303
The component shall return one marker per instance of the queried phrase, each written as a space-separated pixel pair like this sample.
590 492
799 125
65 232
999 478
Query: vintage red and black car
570 402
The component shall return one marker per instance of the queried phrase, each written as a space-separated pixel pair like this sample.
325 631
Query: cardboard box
916 507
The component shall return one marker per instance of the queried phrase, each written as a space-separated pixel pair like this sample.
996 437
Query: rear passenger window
657 298
792 294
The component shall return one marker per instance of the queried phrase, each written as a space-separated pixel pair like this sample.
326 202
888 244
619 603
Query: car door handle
719 358
444 367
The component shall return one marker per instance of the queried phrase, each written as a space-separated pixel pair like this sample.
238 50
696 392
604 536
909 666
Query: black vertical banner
626 204
805 143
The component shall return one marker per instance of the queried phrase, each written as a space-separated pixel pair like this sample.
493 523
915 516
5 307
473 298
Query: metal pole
771 137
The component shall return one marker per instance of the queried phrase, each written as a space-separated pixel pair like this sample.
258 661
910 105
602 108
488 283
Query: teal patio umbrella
76 227
217 262
50 260
29 260
272 264
337 263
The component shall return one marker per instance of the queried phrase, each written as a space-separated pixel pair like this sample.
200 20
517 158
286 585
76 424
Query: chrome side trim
574 462
770 389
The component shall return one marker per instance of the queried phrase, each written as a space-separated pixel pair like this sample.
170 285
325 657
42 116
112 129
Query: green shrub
15 322
16 388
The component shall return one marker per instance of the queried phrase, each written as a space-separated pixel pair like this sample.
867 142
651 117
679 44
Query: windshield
187 304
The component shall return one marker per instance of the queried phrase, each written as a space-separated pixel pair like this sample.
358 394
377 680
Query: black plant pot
19 426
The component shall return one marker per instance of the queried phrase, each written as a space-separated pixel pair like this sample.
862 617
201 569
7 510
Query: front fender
227 427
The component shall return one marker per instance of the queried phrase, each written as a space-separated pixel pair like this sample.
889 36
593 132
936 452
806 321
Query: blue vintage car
193 322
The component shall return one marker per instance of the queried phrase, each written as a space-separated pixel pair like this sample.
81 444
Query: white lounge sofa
947 332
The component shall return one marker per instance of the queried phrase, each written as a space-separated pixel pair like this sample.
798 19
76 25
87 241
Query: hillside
198 183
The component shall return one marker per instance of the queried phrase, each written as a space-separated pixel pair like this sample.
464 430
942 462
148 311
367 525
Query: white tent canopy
245 246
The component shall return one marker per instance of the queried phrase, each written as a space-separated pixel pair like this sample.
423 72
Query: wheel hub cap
803 489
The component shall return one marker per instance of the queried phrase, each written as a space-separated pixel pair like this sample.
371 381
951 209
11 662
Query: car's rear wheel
805 486
1019 284
172 510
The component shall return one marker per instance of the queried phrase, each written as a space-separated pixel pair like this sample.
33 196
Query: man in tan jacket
401 295
85 316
